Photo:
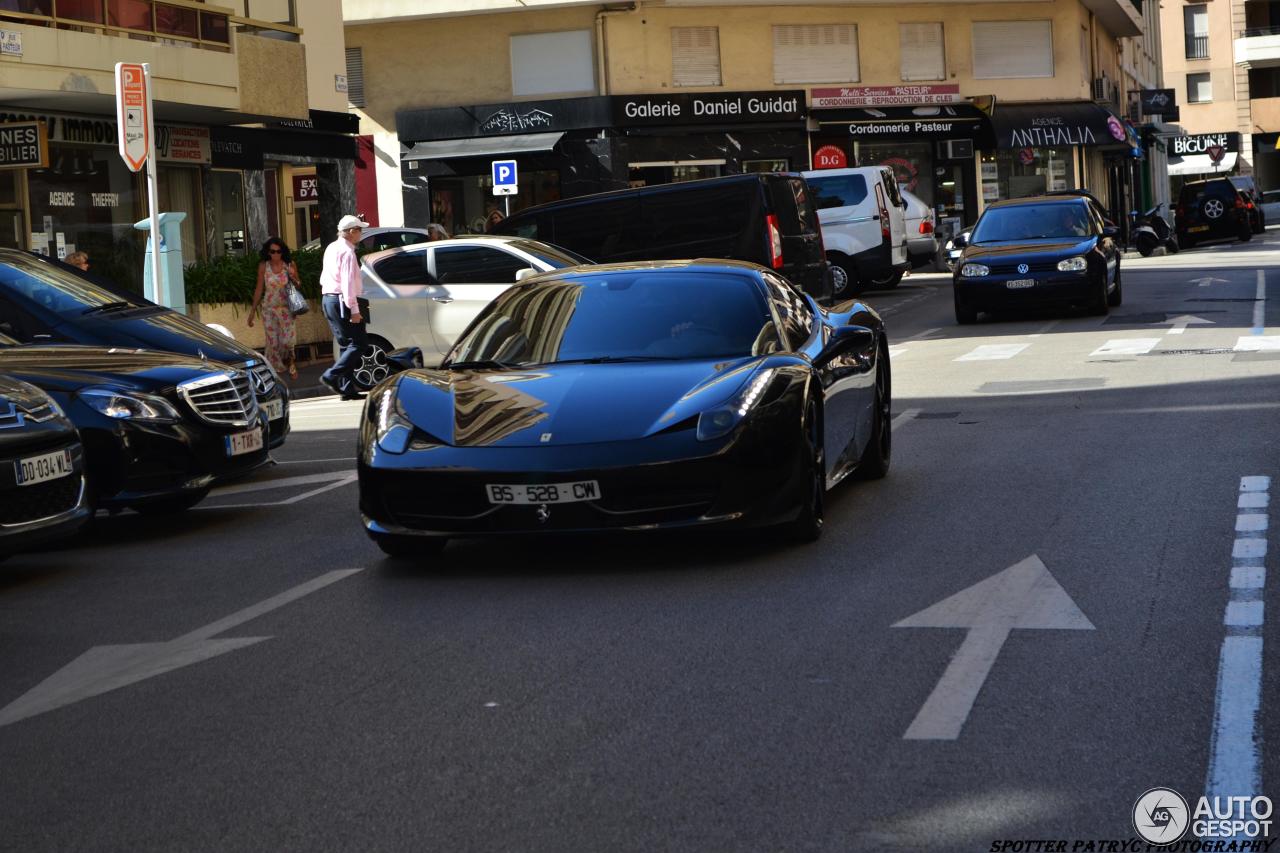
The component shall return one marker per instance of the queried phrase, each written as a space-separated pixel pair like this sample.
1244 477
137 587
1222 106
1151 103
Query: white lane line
345 481
1044 329
903 416
993 352
1253 500
279 483
920 335
1260 305
1258 344
896 350
1126 346
1235 747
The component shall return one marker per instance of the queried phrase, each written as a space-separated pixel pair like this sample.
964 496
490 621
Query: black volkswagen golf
42 484
1038 251
158 429
42 302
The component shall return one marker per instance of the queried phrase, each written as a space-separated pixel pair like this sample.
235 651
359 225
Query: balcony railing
1197 47
187 22
1254 32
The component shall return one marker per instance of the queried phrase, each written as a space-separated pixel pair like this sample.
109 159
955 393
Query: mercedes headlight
1073 265
975 270
392 429
722 419
129 405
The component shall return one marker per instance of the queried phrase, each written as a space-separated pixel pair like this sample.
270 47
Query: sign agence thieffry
136 128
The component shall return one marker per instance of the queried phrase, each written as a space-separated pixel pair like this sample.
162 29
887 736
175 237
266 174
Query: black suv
1212 210
42 302
1252 199
767 218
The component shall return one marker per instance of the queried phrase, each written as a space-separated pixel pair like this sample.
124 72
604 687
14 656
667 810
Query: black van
764 217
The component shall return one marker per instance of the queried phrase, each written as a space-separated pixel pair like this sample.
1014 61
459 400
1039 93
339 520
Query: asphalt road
253 675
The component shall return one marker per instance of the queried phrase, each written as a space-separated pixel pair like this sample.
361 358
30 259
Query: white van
864 226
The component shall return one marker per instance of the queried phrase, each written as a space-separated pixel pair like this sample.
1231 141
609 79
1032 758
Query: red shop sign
830 157
306 188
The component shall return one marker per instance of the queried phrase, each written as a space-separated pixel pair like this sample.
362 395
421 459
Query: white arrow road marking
1023 596
1208 280
280 483
1179 324
343 479
105 668
1126 346
993 352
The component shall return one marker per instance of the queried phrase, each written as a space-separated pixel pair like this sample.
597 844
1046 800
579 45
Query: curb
310 392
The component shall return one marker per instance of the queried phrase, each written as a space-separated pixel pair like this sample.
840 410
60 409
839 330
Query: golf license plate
1019 283
244 442
549 493
274 409
38 469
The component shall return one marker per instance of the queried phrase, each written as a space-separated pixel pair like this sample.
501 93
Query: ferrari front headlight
392 429
721 420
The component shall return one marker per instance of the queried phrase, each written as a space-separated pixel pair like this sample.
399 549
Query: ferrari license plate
1018 283
38 469
1198 228
274 409
550 493
244 442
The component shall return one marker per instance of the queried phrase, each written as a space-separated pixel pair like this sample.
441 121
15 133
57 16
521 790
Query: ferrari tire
807 526
1116 296
876 456
409 547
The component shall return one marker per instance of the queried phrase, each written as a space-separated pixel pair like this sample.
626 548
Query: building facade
1223 60
246 95
968 102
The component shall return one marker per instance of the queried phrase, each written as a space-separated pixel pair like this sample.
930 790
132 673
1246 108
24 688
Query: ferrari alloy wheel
807 526
874 463
409 547
373 366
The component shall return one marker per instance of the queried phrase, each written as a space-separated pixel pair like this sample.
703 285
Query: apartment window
1195 22
355 76
1012 49
922 53
1199 88
815 53
695 56
552 63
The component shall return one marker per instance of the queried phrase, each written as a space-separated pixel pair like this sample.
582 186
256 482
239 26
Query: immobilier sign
24 144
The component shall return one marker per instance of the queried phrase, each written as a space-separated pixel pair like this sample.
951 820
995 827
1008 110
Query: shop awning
486 146
948 121
1058 124
1202 164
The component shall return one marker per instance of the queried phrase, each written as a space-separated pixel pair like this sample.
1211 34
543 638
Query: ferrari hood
566 404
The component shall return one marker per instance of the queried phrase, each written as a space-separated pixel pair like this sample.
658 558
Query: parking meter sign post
137 140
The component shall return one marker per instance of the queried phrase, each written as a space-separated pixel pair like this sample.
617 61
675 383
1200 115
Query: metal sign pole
159 296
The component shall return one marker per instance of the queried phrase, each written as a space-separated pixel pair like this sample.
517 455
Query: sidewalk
308 384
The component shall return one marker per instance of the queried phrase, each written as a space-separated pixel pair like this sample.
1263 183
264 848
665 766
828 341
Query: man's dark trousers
351 339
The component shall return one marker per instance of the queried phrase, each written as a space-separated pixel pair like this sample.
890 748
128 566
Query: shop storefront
1203 155
1057 146
928 135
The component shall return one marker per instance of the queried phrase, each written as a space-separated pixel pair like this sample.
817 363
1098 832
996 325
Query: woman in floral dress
272 295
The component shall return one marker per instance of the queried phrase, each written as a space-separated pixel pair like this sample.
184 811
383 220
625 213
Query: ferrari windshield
1032 222
627 315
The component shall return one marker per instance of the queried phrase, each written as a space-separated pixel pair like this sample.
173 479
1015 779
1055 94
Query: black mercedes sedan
158 429
630 397
42 483
1045 250
42 302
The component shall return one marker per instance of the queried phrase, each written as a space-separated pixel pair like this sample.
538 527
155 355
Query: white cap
350 221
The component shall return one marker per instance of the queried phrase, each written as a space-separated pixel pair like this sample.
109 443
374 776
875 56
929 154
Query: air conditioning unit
1103 91
955 149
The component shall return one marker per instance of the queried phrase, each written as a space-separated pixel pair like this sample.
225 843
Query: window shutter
815 53
355 76
552 63
1012 49
695 56
922 52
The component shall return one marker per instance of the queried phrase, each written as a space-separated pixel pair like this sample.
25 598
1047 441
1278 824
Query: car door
398 286
897 216
850 224
467 278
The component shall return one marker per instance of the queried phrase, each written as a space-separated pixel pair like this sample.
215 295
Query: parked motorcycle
1151 230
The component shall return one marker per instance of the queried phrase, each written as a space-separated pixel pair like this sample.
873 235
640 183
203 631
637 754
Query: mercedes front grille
225 399
264 382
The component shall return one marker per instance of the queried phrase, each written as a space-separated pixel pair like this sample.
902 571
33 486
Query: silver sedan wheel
373 368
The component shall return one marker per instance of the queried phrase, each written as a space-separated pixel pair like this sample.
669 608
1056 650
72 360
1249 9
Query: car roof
707 265
1039 199
468 240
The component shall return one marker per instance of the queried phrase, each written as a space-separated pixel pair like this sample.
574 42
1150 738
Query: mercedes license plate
1020 282
550 493
47 466
244 442
274 409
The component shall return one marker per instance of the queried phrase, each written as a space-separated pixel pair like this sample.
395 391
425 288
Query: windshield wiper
107 307
482 364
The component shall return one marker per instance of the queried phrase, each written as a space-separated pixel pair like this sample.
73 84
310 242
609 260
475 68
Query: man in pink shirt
340 288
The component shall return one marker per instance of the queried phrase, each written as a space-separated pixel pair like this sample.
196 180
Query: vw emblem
1023 269
546 436
544 513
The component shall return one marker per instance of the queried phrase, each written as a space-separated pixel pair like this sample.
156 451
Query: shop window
228 213
1012 49
178 190
1199 88
779 165
911 163
815 53
552 63
922 51
466 205
476 266
1026 172
695 56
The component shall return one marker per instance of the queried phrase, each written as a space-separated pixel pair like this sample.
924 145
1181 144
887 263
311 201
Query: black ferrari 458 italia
630 396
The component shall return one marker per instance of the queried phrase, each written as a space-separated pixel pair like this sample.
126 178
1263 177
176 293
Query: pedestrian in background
79 259
275 271
436 232
341 289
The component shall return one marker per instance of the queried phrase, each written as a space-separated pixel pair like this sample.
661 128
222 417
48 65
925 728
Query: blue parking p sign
504 177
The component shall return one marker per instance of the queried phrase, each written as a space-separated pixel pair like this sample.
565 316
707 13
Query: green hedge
232 278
